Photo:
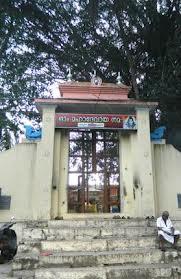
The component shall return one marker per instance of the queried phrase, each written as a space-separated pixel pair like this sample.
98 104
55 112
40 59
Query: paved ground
4 270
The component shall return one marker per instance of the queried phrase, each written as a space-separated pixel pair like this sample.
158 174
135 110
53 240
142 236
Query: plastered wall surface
60 174
137 169
167 165
42 183
35 175
16 176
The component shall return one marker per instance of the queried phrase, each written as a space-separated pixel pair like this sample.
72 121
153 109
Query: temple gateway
95 158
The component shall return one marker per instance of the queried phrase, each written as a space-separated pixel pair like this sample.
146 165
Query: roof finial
69 76
118 78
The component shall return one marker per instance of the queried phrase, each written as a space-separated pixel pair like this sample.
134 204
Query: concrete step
107 222
108 244
102 244
100 222
156 271
96 222
25 261
85 232
127 256
85 259
90 228
5 270
29 245
24 274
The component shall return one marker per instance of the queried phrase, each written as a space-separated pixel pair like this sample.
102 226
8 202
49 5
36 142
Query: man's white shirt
166 228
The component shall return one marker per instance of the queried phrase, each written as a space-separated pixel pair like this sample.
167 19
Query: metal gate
93 178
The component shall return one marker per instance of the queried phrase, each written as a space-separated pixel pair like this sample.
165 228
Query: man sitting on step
166 231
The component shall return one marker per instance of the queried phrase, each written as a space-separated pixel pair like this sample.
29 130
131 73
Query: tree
40 40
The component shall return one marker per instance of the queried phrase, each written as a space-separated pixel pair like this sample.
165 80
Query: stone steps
24 274
85 259
5 271
94 249
86 232
100 222
126 256
98 244
91 228
156 271
104 244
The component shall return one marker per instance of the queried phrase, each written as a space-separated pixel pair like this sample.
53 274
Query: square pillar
144 163
126 175
42 186
64 157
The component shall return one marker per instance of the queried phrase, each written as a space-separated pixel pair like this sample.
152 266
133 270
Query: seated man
166 231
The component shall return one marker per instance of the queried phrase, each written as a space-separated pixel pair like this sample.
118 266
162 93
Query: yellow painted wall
60 173
136 169
133 165
126 175
167 165
16 176
26 173
42 183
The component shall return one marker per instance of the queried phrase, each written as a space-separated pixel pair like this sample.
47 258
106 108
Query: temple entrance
93 177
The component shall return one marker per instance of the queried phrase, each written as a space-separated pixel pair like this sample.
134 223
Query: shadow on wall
172 136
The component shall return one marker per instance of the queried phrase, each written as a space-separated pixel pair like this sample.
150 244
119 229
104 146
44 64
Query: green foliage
39 40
